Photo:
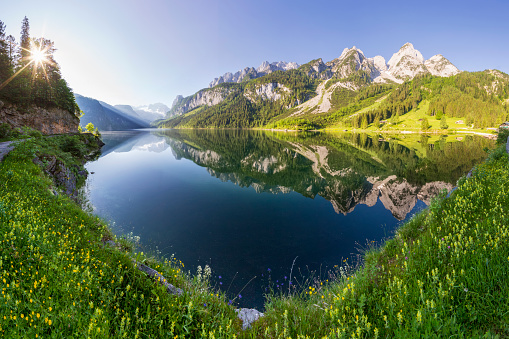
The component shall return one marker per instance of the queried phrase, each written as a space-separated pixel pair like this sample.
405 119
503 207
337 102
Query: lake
250 203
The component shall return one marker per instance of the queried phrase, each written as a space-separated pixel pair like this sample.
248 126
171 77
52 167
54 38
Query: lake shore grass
61 279
443 274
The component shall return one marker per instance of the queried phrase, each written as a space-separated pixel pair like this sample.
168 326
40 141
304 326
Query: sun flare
38 56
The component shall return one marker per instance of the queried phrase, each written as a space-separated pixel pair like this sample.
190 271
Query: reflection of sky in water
182 209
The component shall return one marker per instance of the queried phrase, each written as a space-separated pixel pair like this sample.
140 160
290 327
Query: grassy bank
58 279
443 274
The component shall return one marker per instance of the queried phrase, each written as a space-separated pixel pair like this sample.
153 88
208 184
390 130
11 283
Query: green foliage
425 124
35 83
443 274
476 96
503 134
5 130
443 123
299 124
60 278
90 127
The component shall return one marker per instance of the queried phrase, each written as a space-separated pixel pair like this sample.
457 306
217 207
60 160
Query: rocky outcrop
208 97
159 278
316 69
252 73
62 176
438 65
216 95
46 120
270 91
248 316
403 65
406 63
5 148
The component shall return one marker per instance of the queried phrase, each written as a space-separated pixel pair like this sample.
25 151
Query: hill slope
321 95
106 117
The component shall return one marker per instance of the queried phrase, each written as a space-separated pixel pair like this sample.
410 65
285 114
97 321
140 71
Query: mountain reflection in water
315 196
347 170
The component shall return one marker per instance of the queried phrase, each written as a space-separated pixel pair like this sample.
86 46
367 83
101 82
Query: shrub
5 130
503 133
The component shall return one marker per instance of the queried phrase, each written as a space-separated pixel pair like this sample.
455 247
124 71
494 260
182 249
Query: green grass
444 274
59 280
411 122
373 106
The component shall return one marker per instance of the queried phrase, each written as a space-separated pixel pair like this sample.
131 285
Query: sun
38 56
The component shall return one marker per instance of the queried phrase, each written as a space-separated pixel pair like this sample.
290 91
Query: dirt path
5 148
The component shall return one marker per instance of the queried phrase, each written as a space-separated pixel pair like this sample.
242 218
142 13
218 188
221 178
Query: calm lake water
248 203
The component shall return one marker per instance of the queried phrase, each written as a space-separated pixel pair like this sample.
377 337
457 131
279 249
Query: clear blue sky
146 51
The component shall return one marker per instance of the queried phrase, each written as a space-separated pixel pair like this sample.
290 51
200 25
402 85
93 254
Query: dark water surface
245 202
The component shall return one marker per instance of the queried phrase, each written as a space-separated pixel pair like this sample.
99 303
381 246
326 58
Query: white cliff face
208 97
348 62
266 165
214 96
379 63
438 65
403 65
406 63
252 73
406 51
267 67
270 91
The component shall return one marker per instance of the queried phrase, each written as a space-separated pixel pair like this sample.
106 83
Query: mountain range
351 90
107 117
403 65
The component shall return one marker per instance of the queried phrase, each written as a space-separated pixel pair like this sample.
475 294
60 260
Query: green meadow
444 273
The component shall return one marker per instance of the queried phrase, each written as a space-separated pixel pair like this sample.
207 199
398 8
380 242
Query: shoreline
72 247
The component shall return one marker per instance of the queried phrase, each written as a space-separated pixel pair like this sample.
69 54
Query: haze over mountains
352 90
107 117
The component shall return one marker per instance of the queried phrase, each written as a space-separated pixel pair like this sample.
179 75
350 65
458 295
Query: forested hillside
250 104
29 73
480 98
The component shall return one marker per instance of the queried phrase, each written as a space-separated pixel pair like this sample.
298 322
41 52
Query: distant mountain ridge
107 117
152 112
252 73
403 65
352 91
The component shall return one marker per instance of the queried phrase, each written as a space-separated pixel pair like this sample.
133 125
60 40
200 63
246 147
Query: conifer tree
5 65
443 123
364 123
376 123
11 41
425 124
24 46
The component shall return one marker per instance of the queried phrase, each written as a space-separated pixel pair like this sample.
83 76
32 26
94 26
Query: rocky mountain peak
176 101
407 51
440 66
347 50
252 73
406 63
